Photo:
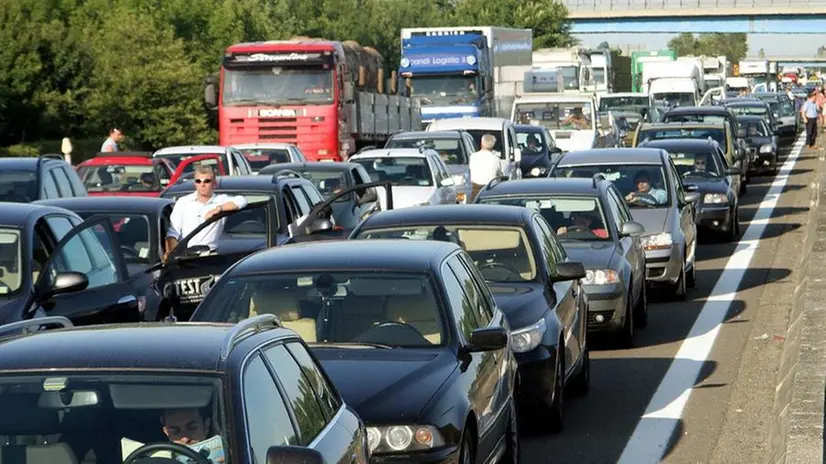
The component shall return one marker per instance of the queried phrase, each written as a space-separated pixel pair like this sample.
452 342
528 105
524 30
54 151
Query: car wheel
734 227
557 407
512 438
679 287
626 336
641 310
466 453
743 185
581 384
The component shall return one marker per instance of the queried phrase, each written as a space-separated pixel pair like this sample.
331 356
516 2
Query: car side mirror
369 196
631 229
293 455
569 271
517 155
349 91
196 250
692 197
487 339
734 171
447 182
211 92
319 225
65 282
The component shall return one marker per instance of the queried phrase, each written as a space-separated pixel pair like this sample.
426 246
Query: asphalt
728 413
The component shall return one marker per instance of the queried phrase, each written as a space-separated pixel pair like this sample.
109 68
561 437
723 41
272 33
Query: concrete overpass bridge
697 16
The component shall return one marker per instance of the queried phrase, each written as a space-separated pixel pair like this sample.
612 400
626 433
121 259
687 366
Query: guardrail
632 5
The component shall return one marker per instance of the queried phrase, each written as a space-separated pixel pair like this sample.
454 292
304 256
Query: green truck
638 59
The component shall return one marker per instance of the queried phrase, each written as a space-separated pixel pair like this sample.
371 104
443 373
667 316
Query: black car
783 109
331 177
761 144
407 330
711 114
24 180
703 163
540 156
532 281
753 107
54 263
595 227
131 393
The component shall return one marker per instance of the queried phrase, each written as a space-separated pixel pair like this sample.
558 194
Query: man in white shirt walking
484 165
192 210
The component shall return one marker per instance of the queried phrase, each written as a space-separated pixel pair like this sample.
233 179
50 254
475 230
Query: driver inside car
700 164
584 220
183 426
643 182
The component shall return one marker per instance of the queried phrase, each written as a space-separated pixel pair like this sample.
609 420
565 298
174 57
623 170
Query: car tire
512 454
743 186
679 287
641 310
626 335
556 410
467 453
581 383
734 227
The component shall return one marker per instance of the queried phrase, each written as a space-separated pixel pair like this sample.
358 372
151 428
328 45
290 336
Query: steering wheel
498 265
172 447
645 198
699 174
578 229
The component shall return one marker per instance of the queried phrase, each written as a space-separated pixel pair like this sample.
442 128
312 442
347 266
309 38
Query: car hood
757 141
707 185
411 195
572 140
522 303
592 255
386 386
652 219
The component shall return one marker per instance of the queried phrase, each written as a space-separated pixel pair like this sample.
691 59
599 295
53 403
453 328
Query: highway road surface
699 386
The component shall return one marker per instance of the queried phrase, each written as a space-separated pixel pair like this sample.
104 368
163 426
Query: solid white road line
653 433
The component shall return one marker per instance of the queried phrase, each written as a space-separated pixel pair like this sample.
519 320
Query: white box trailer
677 83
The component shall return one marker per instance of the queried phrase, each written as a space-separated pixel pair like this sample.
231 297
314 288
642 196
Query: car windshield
693 118
11 273
635 103
360 307
572 217
119 178
18 186
259 158
103 417
718 135
531 143
696 164
503 254
754 128
646 182
400 170
247 223
450 150
749 110
556 115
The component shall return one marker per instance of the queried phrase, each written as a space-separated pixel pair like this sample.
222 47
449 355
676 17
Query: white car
261 155
419 177
234 162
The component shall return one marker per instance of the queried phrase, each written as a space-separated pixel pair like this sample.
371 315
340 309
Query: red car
137 173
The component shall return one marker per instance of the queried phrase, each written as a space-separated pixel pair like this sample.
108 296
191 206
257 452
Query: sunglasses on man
203 181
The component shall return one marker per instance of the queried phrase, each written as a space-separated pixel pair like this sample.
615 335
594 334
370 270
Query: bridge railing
634 5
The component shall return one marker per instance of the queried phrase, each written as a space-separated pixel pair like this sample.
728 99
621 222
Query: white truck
573 64
715 69
674 83
759 71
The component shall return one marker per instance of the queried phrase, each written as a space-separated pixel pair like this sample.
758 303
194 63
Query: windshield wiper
355 345
642 205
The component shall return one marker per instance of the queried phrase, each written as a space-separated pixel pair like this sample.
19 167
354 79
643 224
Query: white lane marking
653 432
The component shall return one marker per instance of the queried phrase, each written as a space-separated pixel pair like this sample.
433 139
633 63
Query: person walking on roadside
112 143
484 165
810 113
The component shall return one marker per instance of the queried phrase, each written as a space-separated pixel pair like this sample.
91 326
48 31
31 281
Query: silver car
658 200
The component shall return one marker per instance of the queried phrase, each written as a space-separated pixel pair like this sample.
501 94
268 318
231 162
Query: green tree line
75 68
732 46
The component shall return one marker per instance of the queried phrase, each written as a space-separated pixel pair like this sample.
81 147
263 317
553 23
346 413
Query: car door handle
127 299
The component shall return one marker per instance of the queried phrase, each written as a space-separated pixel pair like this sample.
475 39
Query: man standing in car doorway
484 166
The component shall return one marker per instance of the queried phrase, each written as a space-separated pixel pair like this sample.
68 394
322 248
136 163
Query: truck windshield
631 103
675 99
277 85
556 115
444 90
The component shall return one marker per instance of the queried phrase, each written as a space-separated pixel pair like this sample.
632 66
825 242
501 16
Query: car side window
267 422
615 197
365 176
301 200
63 185
549 139
479 304
290 207
327 396
357 176
87 252
299 394
544 236
77 186
311 193
59 225
614 210
511 140
722 157
676 179
460 304
299 155
48 186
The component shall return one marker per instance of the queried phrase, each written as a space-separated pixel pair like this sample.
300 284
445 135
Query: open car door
85 278
713 96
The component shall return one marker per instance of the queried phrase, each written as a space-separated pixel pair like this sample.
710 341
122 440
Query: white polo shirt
484 167
189 213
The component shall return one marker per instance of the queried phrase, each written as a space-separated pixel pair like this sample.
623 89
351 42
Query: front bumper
762 162
446 455
536 374
717 218
663 265
608 303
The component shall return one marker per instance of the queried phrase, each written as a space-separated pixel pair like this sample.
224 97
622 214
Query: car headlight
766 149
528 338
600 277
402 438
657 242
537 171
715 198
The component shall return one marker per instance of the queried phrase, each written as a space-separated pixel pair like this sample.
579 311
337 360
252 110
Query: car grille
592 315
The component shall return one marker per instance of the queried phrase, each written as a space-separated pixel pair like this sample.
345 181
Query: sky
796 45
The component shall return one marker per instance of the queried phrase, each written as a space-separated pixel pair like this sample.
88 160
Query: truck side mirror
349 91
488 84
211 92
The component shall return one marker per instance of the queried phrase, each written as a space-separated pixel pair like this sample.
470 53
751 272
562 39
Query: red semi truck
326 97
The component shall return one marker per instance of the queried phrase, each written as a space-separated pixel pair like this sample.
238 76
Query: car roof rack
285 173
598 177
247 327
34 325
